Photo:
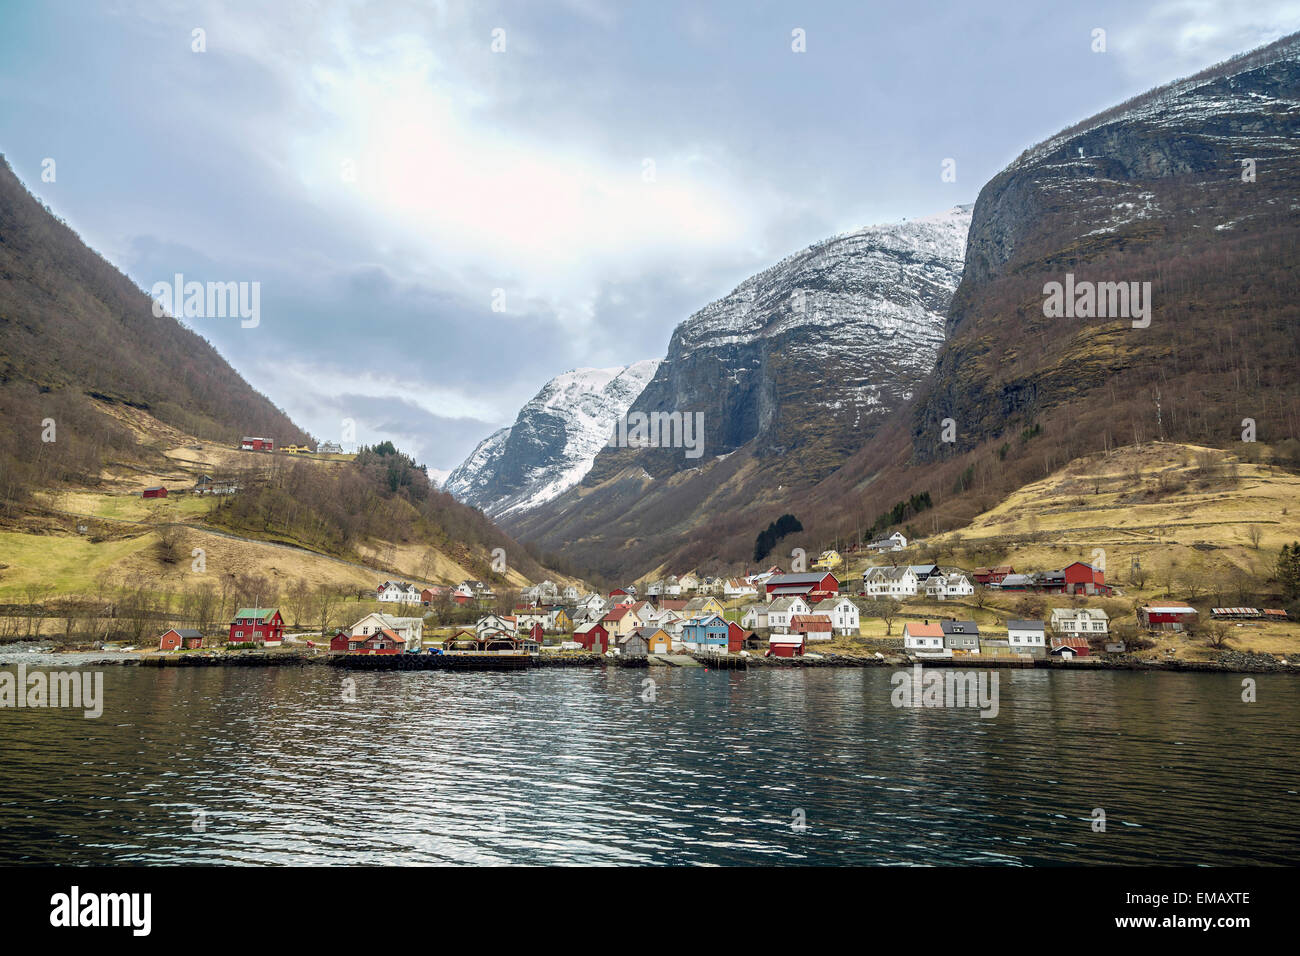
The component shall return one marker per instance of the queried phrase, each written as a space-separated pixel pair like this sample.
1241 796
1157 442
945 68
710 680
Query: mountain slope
788 373
552 443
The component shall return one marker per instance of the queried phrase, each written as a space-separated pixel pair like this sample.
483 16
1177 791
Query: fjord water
273 765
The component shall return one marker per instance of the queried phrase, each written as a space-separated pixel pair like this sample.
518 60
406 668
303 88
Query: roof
810 622
788 580
1073 612
781 604
960 627
1059 642
1015 579
922 630
183 632
1026 625
256 613
1168 606
618 613
827 604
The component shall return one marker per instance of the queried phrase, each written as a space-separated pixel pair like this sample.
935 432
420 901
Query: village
921 612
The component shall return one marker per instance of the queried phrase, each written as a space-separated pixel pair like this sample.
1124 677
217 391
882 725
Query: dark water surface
272 765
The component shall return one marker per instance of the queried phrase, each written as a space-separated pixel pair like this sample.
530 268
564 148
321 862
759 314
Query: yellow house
562 621
828 561
295 450
621 621
658 641
696 607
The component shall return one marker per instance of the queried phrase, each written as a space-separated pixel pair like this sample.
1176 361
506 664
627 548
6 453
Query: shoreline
1236 662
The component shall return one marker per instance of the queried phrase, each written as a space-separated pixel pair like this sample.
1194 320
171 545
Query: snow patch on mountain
553 442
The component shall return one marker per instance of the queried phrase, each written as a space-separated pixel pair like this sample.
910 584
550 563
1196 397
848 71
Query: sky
447 204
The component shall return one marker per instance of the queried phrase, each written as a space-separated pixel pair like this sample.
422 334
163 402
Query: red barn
158 492
1166 615
813 587
257 625
1083 578
257 444
340 641
593 637
992 575
735 637
537 632
1068 647
785 645
177 638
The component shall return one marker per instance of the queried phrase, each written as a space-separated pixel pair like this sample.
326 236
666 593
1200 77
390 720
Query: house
711 585
897 582
895 542
329 448
383 641
706 632
737 637
657 640
993 576
507 624
257 444
843 613
1027 637
812 587
1166 615
1014 582
592 637
734 589
528 616
398 592
156 492
296 449
570 594
703 605
688 583
621 621
828 561
430 595
623 595
924 638
559 620
593 602
1068 648
1052 582
814 627
961 636
410 629
257 625
785 645
634 644
1081 578
1080 622
755 617
781 611
340 640
671 586
945 587
536 633
179 637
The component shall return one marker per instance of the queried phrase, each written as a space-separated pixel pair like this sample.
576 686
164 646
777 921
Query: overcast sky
382 172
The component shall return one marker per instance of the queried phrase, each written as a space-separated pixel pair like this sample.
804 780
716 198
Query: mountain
1158 194
788 375
552 443
75 331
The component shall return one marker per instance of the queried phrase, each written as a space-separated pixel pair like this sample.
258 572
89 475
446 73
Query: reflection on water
272 765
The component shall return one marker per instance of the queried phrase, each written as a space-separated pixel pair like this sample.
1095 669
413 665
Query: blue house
708 632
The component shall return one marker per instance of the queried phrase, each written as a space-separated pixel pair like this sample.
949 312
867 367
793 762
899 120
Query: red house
257 444
1068 647
340 641
257 625
735 637
992 575
1083 578
595 637
1166 615
177 638
813 587
622 596
158 492
382 641
537 632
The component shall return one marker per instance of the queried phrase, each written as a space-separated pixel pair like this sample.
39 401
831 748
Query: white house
755 617
688 583
1080 622
890 582
1027 636
843 613
780 612
737 588
495 622
592 602
924 639
399 592
945 587
570 594
895 542
410 629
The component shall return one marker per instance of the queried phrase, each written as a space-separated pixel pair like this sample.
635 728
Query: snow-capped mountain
811 353
552 443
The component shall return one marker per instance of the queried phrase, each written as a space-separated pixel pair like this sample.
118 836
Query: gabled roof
810 622
256 613
914 629
183 632
1026 625
960 627
791 580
